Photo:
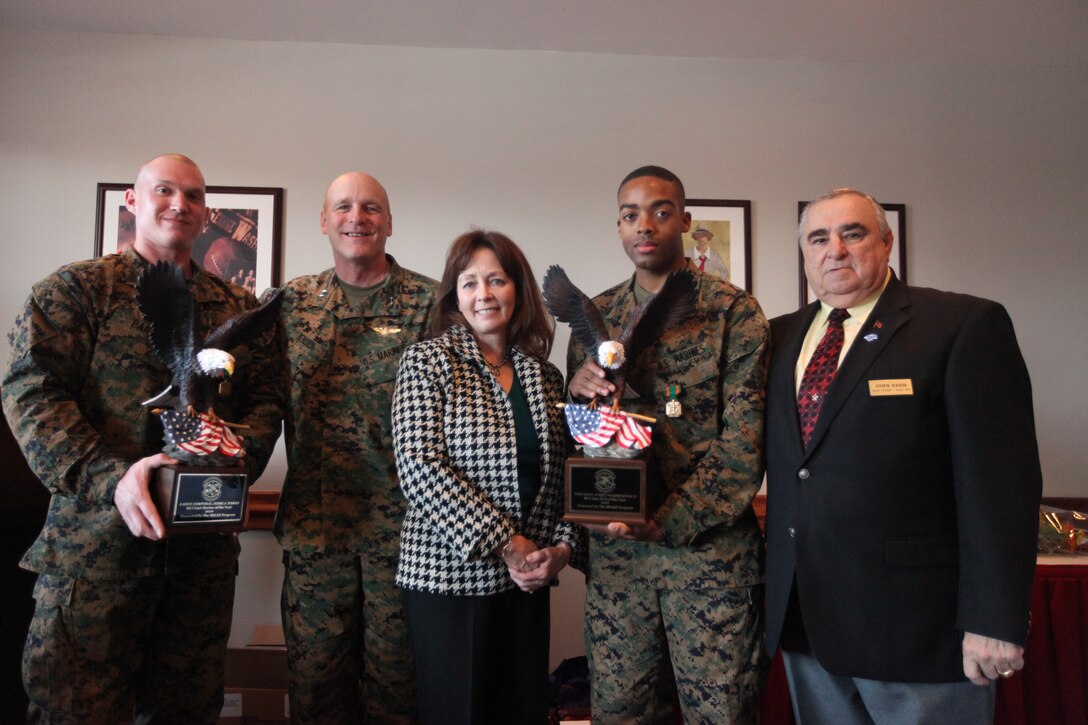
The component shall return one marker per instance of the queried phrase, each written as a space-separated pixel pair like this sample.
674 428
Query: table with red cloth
1052 687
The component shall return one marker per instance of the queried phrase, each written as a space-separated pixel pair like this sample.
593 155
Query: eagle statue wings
648 322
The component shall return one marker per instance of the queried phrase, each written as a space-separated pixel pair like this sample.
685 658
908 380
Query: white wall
991 162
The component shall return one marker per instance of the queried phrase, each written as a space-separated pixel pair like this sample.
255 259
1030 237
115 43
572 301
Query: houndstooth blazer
455 446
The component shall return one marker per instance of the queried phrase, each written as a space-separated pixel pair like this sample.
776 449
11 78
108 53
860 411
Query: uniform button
791 532
803 474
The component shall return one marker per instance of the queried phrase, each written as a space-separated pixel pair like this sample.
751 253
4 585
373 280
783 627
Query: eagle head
216 363
610 355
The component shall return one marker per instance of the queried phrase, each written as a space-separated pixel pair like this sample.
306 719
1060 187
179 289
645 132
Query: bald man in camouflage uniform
123 615
341 507
677 604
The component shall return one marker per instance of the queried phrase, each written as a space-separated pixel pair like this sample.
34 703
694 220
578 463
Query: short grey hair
882 218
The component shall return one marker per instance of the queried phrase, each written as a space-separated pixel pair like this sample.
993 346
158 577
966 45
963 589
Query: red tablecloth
1053 686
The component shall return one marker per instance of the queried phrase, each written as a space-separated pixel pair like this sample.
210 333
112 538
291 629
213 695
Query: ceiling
977 32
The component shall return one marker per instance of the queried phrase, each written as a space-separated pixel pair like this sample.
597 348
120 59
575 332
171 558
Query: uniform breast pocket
383 371
702 375
123 343
122 361
133 346
691 375
379 359
364 377
305 355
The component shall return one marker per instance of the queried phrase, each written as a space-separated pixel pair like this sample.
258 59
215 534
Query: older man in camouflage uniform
341 507
677 604
125 616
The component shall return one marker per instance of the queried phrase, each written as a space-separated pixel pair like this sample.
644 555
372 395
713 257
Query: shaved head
153 163
168 201
357 221
347 183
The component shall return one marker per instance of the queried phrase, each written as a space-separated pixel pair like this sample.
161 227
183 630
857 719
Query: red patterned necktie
819 373
702 264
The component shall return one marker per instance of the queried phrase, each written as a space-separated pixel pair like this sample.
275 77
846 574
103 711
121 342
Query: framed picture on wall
720 239
243 242
897 220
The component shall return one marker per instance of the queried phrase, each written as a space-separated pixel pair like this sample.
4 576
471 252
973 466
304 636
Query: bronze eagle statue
649 321
198 364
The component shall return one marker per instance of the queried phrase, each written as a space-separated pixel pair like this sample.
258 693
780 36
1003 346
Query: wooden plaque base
200 499
602 490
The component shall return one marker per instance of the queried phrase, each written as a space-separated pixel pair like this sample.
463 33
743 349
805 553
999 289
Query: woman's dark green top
528 443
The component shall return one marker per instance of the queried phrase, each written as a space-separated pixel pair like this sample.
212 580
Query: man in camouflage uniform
125 616
341 507
677 604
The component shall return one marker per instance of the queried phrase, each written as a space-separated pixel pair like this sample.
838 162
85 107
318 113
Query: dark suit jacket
912 518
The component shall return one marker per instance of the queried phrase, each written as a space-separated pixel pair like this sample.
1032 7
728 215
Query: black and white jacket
453 436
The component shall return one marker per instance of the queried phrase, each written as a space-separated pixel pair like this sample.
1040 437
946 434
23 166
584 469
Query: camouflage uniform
118 617
694 599
341 506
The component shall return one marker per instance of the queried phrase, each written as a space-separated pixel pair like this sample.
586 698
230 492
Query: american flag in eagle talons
596 427
201 435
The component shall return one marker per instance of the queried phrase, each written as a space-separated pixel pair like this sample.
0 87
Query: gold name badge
879 388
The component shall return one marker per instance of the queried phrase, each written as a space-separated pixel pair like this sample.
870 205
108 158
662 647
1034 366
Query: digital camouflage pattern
341 493
706 465
327 615
80 366
341 504
96 637
714 637
704 469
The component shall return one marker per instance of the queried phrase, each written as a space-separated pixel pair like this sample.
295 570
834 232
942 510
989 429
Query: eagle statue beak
609 359
215 363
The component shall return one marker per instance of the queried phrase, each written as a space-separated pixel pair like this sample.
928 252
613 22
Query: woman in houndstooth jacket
480 446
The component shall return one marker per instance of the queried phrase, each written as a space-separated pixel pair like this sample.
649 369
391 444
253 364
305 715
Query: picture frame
237 245
729 222
897 220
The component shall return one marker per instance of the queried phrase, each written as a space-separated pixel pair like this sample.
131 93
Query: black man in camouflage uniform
676 605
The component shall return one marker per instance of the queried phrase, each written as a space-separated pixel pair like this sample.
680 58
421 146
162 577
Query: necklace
495 367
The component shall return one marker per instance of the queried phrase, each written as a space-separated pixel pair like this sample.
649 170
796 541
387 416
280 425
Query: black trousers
480 660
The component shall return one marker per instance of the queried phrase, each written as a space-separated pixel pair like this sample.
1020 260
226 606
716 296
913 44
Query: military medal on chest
673 409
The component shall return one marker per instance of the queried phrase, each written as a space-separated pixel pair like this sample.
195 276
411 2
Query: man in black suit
903 487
